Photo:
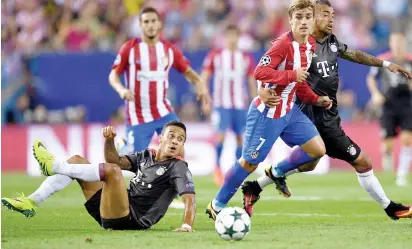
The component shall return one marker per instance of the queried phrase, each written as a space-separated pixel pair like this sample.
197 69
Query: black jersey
155 185
324 79
395 87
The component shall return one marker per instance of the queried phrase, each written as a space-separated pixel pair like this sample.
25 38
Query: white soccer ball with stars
232 223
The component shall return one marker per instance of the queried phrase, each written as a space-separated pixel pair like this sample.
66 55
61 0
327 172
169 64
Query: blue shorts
223 119
294 128
139 136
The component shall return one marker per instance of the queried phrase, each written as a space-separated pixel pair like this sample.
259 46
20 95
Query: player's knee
363 162
249 167
220 138
406 138
388 145
239 140
76 159
318 151
112 171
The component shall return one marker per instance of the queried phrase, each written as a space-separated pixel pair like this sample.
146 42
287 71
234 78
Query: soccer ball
232 223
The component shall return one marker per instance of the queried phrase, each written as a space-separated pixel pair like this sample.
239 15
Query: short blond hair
300 4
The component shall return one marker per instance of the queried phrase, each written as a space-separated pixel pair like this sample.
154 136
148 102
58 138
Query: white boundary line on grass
303 214
303 198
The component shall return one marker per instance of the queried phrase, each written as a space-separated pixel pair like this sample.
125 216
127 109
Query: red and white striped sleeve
251 64
122 59
208 62
306 94
180 63
266 71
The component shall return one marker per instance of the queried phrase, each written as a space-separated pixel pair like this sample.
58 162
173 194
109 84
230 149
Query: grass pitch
330 211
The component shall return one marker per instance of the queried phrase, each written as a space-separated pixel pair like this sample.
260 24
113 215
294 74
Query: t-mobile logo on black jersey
323 68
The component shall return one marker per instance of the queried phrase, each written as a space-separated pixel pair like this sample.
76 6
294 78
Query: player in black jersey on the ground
324 80
395 97
160 176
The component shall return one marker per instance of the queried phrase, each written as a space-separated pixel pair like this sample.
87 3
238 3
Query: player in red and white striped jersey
233 88
282 68
146 62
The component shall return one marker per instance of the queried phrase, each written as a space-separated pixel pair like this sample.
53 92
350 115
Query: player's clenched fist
301 75
109 132
324 101
126 95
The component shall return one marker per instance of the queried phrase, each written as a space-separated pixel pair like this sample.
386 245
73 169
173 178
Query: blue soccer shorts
139 136
224 119
294 128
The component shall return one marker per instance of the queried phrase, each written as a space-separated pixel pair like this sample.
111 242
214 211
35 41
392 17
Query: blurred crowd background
30 27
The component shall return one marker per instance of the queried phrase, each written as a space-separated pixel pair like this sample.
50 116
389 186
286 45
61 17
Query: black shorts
392 119
338 144
124 223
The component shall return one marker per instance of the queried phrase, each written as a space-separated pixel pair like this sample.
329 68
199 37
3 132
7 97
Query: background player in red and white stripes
146 61
231 92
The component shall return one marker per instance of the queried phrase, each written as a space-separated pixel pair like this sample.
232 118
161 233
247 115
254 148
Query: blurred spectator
347 106
17 88
84 32
82 25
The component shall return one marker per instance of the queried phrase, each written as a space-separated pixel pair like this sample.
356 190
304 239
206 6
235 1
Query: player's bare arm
252 87
376 95
201 89
110 153
115 82
190 213
361 57
269 96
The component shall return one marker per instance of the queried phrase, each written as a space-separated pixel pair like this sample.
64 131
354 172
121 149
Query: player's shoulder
312 41
281 42
131 42
246 54
168 44
215 51
147 153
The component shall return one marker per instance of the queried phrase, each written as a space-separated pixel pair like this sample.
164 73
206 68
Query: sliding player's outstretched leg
21 204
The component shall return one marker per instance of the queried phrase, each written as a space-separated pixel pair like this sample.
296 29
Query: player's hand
378 99
301 75
181 229
324 101
269 97
203 95
394 68
109 132
126 94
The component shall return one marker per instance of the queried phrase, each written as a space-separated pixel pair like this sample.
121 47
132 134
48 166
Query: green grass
338 215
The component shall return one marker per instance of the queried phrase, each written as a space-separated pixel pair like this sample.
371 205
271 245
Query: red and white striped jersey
146 69
231 70
276 69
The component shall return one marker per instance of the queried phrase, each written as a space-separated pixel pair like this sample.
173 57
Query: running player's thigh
340 146
239 121
299 129
88 188
221 120
164 120
389 123
114 202
139 136
260 135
